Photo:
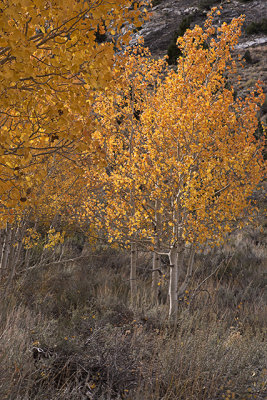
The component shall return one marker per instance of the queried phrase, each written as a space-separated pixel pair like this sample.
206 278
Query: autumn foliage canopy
149 156
181 156
50 62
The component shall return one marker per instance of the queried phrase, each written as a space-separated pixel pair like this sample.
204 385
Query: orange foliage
49 62
181 156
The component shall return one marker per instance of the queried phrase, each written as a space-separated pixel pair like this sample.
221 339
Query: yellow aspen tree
203 159
50 59
117 112
195 160
52 207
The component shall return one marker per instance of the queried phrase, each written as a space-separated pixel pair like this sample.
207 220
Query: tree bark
3 245
133 272
173 285
5 249
12 258
188 276
155 278
156 257
20 244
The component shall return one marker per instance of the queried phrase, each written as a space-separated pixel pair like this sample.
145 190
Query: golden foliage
181 156
50 61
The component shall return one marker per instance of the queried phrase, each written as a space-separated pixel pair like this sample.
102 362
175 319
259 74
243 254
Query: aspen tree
199 141
195 160
50 59
118 189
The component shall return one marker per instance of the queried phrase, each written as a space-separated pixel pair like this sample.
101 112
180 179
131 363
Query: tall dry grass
96 345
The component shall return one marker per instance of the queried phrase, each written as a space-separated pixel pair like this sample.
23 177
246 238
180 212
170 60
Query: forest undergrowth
69 331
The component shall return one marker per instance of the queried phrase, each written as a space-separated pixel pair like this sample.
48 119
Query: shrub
257 27
207 4
156 2
247 57
173 51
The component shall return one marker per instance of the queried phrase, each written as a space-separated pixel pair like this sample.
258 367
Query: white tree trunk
5 249
2 242
20 238
133 272
188 276
12 254
155 278
156 257
173 286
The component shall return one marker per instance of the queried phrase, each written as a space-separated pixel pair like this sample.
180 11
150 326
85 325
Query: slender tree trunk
12 258
3 244
27 258
62 248
20 244
11 253
5 249
155 278
173 285
156 258
188 276
133 272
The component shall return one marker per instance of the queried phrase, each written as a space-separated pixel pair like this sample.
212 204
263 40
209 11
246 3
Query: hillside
167 15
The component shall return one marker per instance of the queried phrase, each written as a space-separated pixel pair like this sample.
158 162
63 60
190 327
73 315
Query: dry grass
97 346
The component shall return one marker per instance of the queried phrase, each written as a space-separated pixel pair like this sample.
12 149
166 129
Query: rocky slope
167 15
